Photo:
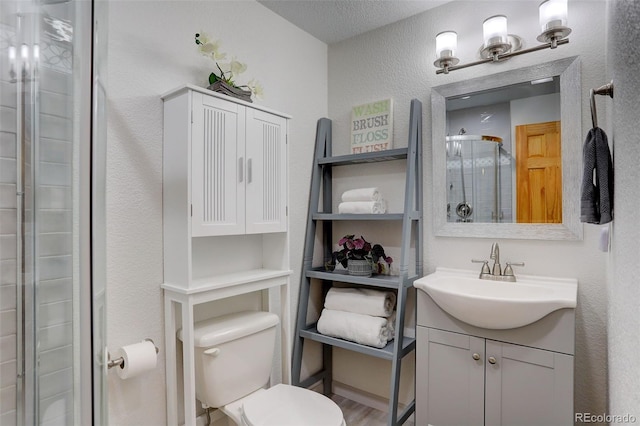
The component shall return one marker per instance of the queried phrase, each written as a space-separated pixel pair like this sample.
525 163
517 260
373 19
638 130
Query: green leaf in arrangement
213 78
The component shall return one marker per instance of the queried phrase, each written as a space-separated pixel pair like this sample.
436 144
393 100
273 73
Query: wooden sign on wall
372 127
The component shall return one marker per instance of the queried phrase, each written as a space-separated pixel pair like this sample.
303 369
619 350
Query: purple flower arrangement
360 249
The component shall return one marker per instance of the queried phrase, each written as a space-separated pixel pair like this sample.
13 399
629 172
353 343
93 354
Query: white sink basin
497 304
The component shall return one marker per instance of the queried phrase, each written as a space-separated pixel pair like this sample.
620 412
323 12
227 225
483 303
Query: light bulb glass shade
12 53
494 30
553 14
446 44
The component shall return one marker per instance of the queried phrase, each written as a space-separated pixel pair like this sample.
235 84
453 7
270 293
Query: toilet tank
233 355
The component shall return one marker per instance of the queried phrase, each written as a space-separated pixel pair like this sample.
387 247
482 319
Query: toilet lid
284 405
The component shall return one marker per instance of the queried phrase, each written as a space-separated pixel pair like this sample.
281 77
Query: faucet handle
508 271
485 266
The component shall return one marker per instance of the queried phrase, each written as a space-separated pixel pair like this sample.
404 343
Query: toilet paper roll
138 358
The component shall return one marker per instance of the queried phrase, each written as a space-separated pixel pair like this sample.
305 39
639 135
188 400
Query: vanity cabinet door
217 167
266 177
449 378
527 386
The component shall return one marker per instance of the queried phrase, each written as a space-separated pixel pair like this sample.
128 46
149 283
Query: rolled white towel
364 301
362 194
391 326
362 329
362 207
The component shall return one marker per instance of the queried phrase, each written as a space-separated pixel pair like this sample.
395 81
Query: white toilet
233 356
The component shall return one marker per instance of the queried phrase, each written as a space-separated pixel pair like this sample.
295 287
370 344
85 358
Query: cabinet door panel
528 386
449 381
266 173
217 167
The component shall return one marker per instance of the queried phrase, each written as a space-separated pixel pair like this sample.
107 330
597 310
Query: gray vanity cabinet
527 386
449 382
471 376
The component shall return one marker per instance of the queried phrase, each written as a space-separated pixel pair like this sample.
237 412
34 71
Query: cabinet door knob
476 356
492 360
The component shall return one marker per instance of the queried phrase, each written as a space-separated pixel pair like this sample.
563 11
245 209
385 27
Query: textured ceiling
336 20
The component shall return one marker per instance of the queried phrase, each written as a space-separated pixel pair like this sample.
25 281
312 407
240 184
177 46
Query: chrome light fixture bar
499 44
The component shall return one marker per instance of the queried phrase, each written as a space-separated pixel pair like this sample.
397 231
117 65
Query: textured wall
151 51
623 60
397 61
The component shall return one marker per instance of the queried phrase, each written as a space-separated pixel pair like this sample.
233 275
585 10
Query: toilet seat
285 405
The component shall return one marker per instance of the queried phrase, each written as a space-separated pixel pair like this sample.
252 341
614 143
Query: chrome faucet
496 273
495 256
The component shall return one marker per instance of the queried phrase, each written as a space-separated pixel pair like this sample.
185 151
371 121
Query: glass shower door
45 169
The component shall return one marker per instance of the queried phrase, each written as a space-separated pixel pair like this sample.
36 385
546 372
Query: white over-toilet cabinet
238 161
225 221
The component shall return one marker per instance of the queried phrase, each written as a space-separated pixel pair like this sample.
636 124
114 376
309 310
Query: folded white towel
364 301
362 194
362 207
362 329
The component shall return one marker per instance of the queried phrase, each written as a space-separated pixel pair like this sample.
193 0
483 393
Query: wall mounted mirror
506 154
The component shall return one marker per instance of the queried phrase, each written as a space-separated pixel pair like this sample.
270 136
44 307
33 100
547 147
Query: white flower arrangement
228 70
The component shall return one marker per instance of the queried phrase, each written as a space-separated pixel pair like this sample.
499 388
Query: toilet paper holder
119 362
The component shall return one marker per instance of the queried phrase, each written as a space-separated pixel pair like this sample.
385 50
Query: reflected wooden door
539 173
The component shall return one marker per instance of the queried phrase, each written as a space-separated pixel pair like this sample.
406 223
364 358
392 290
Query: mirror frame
571 118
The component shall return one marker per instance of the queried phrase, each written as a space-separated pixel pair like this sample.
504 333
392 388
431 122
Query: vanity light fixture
446 45
23 62
499 44
494 34
12 62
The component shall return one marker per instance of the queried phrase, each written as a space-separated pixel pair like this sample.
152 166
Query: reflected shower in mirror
490 130
504 154
480 159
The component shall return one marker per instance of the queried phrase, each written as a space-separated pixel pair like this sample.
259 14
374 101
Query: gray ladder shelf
412 231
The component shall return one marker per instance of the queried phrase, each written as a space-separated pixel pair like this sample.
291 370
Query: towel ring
607 90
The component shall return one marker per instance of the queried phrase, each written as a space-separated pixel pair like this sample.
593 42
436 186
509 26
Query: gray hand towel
596 204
